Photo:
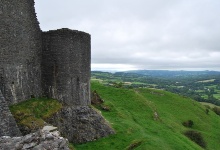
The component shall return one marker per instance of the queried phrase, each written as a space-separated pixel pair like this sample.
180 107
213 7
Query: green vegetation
196 137
188 123
152 119
33 112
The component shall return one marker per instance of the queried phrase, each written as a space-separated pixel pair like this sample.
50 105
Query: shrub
207 111
216 110
188 123
196 137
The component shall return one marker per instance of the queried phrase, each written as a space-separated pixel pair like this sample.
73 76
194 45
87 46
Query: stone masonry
55 64
20 53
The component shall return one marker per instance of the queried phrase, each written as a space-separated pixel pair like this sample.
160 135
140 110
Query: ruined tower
66 66
66 77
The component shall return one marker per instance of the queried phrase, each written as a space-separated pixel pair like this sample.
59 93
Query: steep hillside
153 119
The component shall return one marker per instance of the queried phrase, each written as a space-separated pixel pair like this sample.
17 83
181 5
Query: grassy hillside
152 119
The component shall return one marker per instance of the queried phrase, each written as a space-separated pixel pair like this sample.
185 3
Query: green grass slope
149 119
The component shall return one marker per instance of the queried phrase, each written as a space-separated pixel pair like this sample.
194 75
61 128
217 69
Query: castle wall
20 51
66 66
55 64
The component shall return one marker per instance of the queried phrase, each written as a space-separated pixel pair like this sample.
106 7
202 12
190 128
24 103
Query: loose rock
42 139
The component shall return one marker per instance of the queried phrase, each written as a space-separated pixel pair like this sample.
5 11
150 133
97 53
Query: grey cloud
145 34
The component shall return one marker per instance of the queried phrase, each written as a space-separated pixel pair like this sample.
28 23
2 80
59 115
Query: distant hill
150 119
171 74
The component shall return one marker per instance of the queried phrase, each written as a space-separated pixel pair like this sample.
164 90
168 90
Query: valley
202 86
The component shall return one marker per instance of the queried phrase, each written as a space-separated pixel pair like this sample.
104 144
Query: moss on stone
32 113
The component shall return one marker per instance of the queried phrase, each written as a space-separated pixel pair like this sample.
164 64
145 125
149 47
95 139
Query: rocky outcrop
40 140
7 123
81 124
96 99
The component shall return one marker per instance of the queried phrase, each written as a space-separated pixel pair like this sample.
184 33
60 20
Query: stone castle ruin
54 64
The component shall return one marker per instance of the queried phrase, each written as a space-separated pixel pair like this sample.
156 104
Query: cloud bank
142 34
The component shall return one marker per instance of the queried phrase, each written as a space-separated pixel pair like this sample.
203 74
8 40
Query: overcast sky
142 34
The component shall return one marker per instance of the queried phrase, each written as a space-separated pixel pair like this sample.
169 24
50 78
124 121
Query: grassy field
205 81
149 119
217 95
209 104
